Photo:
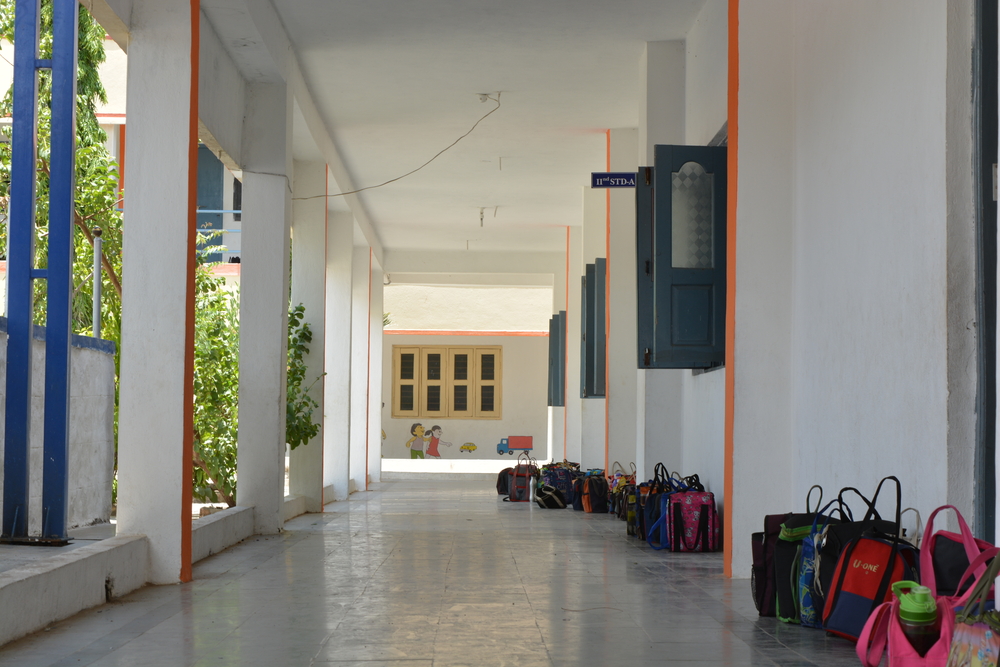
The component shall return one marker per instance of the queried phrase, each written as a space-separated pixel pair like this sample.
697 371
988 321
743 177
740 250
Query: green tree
216 387
299 405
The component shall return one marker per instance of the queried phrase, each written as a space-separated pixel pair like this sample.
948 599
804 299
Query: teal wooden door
682 258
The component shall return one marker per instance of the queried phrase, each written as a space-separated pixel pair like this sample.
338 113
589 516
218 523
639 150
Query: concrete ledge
33 596
294 506
216 532
388 476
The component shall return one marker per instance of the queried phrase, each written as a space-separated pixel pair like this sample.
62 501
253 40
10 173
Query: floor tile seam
116 640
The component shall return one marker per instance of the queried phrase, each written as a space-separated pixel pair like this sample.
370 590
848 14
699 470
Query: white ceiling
396 81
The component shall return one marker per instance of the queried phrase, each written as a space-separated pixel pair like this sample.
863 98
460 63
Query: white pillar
337 382
305 466
375 375
264 304
622 364
360 320
151 470
593 411
574 404
557 414
662 103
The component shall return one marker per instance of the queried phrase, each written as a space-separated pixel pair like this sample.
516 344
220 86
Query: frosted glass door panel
692 240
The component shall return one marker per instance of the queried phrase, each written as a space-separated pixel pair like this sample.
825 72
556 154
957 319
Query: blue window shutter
593 334
682 293
557 359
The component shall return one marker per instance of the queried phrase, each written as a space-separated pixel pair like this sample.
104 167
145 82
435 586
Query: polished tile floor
437 574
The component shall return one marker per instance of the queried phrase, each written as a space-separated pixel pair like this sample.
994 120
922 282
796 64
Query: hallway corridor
422 574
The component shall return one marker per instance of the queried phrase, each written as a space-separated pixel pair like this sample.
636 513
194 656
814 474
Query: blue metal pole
62 181
20 264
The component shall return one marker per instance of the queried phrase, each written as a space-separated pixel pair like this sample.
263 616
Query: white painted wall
467 308
91 434
762 370
525 383
843 241
221 95
574 404
707 72
593 411
870 341
622 328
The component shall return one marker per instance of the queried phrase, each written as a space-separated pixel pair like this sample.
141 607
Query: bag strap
875 636
660 523
660 474
919 530
979 563
809 495
974 610
693 483
873 513
927 546
864 499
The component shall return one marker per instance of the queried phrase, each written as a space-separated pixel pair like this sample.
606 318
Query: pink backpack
692 521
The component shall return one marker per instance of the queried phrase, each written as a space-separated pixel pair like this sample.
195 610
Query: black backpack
503 482
578 494
595 490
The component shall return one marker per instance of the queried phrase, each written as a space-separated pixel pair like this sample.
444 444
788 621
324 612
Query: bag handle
927 556
818 502
875 636
660 523
919 530
693 483
864 499
980 563
974 610
660 474
873 513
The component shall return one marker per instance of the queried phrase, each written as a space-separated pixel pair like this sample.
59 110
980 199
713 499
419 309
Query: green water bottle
918 615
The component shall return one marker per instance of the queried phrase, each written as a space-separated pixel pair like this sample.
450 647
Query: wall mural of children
435 440
416 443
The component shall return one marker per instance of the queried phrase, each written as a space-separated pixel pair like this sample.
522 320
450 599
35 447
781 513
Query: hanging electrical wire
410 173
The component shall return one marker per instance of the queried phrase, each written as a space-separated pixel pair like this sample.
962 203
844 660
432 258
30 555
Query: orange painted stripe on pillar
121 162
187 462
368 376
326 247
566 359
607 312
731 192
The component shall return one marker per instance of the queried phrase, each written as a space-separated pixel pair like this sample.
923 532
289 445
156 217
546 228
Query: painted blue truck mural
514 443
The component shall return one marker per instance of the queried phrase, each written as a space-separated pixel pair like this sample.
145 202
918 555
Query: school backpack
595 494
577 501
503 482
561 478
